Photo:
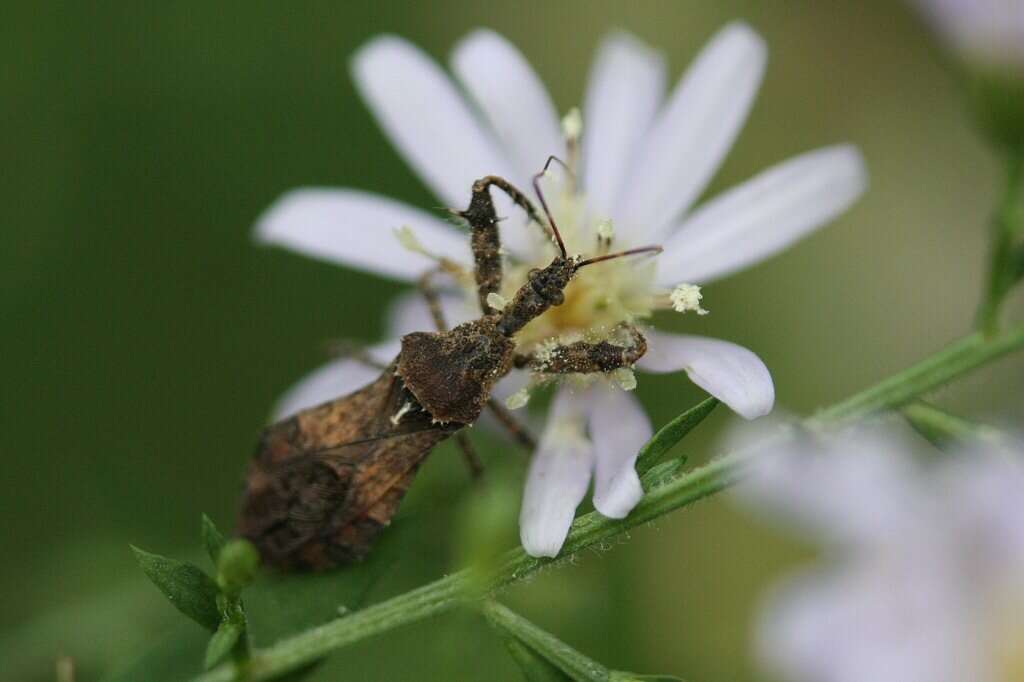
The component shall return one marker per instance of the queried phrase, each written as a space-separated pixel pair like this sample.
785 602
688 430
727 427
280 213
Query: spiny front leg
586 358
486 244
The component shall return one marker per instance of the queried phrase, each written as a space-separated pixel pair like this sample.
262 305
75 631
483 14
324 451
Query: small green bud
237 564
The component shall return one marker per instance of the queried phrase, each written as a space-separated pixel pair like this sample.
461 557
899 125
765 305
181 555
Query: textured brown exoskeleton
326 481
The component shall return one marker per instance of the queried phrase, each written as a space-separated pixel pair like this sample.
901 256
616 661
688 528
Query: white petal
357 229
333 380
731 373
557 480
618 428
409 313
764 215
426 118
695 131
512 97
627 83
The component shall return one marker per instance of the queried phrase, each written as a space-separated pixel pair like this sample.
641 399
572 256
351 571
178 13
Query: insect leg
486 244
476 469
587 358
433 298
512 425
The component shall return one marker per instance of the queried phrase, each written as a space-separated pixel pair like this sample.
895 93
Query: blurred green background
145 336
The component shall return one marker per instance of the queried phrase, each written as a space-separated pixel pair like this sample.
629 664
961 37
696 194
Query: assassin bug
325 482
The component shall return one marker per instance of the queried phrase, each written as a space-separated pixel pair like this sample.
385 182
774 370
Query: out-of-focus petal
731 373
764 215
511 96
558 478
618 428
426 118
985 487
692 135
357 229
857 489
627 83
882 621
334 380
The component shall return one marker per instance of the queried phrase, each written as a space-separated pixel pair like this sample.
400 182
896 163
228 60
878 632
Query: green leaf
544 644
672 433
212 538
620 676
533 667
185 585
943 429
222 642
662 473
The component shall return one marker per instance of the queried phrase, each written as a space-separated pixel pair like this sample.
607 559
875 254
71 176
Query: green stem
950 362
1007 224
593 529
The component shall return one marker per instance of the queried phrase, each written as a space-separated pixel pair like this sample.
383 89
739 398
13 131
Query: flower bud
237 565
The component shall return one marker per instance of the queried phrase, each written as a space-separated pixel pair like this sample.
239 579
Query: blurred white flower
987 32
988 38
923 580
641 160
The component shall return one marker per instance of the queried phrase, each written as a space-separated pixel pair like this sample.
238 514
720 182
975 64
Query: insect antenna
620 254
544 203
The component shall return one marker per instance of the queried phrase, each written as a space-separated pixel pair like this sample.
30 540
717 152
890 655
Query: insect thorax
451 374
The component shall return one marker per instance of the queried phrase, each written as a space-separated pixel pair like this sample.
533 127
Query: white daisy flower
923 577
640 159
985 32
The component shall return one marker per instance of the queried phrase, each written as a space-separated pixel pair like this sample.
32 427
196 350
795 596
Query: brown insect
325 482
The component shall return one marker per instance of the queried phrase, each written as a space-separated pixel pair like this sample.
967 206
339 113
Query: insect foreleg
486 244
587 358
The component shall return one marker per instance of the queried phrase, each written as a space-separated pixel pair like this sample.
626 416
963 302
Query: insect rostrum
325 482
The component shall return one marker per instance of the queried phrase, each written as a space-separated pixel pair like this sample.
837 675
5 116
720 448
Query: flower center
601 296
1007 638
